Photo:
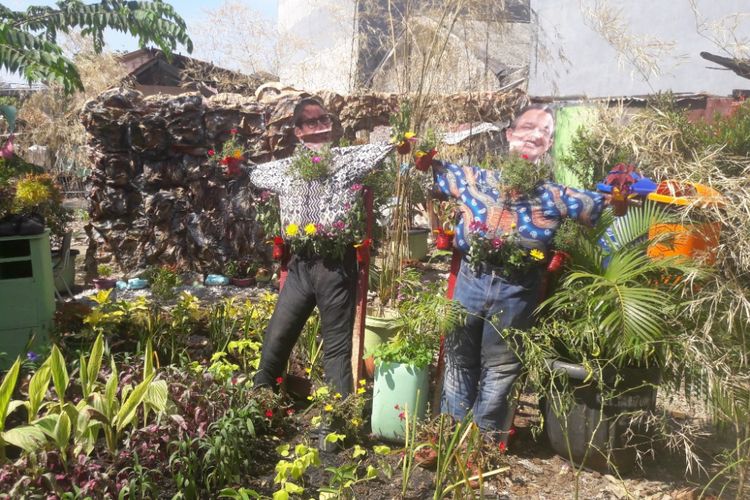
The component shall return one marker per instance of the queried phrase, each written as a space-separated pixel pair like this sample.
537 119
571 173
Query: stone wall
154 196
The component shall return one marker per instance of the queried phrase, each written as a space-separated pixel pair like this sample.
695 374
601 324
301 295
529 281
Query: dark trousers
311 281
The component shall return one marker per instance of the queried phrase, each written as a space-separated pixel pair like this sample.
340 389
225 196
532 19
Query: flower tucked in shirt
505 250
535 217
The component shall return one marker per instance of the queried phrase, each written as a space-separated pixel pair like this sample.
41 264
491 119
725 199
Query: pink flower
402 415
290 411
279 380
234 380
340 225
497 243
356 187
316 159
211 152
525 157
269 413
396 407
265 196
233 131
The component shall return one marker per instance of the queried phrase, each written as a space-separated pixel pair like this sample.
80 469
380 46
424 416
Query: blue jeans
480 365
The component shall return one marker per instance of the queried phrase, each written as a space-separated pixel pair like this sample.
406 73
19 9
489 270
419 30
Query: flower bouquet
426 151
504 251
401 135
310 165
231 156
329 240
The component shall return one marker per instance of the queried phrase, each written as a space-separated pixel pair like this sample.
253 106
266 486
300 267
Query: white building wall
316 45
573 59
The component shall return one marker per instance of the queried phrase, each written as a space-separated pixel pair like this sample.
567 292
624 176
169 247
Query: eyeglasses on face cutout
310 123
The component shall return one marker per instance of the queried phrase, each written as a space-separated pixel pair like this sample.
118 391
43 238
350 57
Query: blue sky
191 10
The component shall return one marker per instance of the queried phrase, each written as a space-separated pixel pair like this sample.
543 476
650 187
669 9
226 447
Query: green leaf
381 449
6 390
358 451
95 363
335 438
156 396
27 437
37 390
59 373
62 431
283 449
281 495
130 405
293 489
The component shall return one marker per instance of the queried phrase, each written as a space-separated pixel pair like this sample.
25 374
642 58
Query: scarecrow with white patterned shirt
319 192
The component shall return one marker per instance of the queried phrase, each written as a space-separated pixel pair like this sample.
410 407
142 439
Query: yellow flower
328 407
361 390
409 135
292 230
536 254
362 382
237 154
308 370
356 422
337 395
512 225
310 229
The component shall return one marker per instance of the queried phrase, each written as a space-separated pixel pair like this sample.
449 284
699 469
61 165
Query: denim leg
512 306
463 347
295 304
335 292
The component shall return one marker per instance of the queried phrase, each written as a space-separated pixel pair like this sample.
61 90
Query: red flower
211 152
225 160
502 447
233 131
401 416
396 407
290 411
525 157
269 413
234 380
279 380
278 240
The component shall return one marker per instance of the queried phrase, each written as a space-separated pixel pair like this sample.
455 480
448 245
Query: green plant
425 313
104 270
163 281
141 483
227 448
292 467
30 37
310 165
344 477
618 300
240 269
28 438
519 176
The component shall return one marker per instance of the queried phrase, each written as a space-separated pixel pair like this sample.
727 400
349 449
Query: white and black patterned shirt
322 201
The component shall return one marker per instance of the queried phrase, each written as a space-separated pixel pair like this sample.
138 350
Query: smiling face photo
531 133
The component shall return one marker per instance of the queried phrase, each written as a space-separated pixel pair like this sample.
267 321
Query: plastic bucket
418 243
400 390
378 329
694 241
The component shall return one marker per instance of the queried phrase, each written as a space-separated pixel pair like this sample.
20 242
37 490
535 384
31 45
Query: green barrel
418 243
398 387
27 300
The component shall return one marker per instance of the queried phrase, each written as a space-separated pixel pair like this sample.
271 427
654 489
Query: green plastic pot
399 390
378 329
418 243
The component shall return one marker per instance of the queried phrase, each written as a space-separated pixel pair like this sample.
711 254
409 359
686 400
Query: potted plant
401 364
263 275
599 354
241 273
103 281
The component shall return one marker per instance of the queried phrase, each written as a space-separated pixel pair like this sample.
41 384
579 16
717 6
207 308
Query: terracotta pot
242 282
423 160
403 147
104 283
557 261
444 240
279 248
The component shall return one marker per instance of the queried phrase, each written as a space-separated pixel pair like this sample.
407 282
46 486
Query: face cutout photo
313 125
531 133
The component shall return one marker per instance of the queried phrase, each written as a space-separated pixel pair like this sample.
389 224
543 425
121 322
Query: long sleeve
355 162
451 179
271 175
583 206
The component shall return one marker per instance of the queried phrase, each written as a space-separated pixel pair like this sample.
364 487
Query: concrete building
556 48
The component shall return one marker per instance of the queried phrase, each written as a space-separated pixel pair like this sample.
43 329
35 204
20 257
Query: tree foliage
28 39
